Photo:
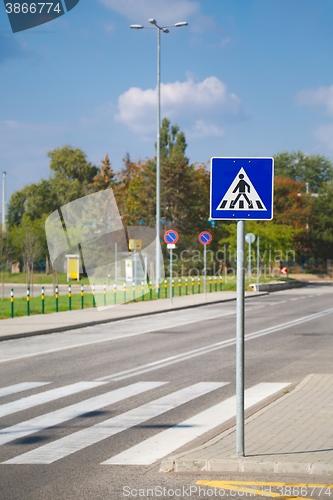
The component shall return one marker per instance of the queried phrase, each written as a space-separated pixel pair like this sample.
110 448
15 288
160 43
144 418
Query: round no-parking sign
171 236
205 237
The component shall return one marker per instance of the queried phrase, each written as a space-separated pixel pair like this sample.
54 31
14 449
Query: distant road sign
205 237
250 238
171 236
241 188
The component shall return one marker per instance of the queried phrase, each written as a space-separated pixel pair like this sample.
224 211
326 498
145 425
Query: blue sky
244 78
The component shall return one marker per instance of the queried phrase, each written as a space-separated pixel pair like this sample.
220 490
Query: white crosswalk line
67 445
45 397
166 442
57 417
23 386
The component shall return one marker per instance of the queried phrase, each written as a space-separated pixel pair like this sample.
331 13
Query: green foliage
275 239
71 176
301 221
184 187
71 164
28 242
315 170
320 236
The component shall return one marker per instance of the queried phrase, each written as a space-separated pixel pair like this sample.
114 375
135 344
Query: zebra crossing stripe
166 442
45 397
23 386
57 417
67 445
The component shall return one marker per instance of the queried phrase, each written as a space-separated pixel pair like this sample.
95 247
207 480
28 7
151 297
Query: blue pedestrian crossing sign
241 188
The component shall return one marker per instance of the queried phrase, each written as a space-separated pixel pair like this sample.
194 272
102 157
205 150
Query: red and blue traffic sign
171 236
205 237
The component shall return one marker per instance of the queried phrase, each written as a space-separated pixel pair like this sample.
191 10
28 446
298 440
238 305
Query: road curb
194 460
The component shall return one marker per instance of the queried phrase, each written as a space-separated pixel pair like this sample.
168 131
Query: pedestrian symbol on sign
240 191
241 187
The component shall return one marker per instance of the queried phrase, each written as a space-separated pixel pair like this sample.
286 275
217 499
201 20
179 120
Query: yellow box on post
73 267
135 244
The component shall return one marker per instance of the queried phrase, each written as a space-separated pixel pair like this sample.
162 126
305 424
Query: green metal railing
107 295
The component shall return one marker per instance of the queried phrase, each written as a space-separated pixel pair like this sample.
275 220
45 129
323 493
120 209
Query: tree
29 240
72 174
16 208
128 191
313 170
321 226
105 177
184 187
71 164
276 240
5 254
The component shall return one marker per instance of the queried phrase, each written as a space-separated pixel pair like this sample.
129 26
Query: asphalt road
108 388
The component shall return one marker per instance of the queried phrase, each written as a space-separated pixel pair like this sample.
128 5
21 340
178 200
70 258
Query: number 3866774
33 8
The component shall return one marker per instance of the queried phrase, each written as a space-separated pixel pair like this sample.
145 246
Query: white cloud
203 104
165 11
324 134
323 96
202 129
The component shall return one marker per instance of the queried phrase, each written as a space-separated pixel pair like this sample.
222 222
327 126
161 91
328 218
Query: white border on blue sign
239 158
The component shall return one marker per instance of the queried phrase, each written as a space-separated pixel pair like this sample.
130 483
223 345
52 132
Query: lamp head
136 26
152 21
183 23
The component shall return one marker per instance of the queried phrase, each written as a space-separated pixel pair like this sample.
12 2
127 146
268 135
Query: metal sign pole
249 273
170 276
258 262
240 341
205 271
115 262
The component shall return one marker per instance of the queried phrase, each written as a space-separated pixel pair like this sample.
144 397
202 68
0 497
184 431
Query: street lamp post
158 167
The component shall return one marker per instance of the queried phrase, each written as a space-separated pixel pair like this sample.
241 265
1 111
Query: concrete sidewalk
25 326
293 434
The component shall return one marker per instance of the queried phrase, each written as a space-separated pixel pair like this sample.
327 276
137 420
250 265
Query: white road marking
166 442
155 365
57 417
163 321
67 445
23 386
17 349
45 397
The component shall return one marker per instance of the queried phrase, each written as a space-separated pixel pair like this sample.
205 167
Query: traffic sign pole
170 276
205 238
258 262
205 272
249 274
241 189
171 238
249 238
240 341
